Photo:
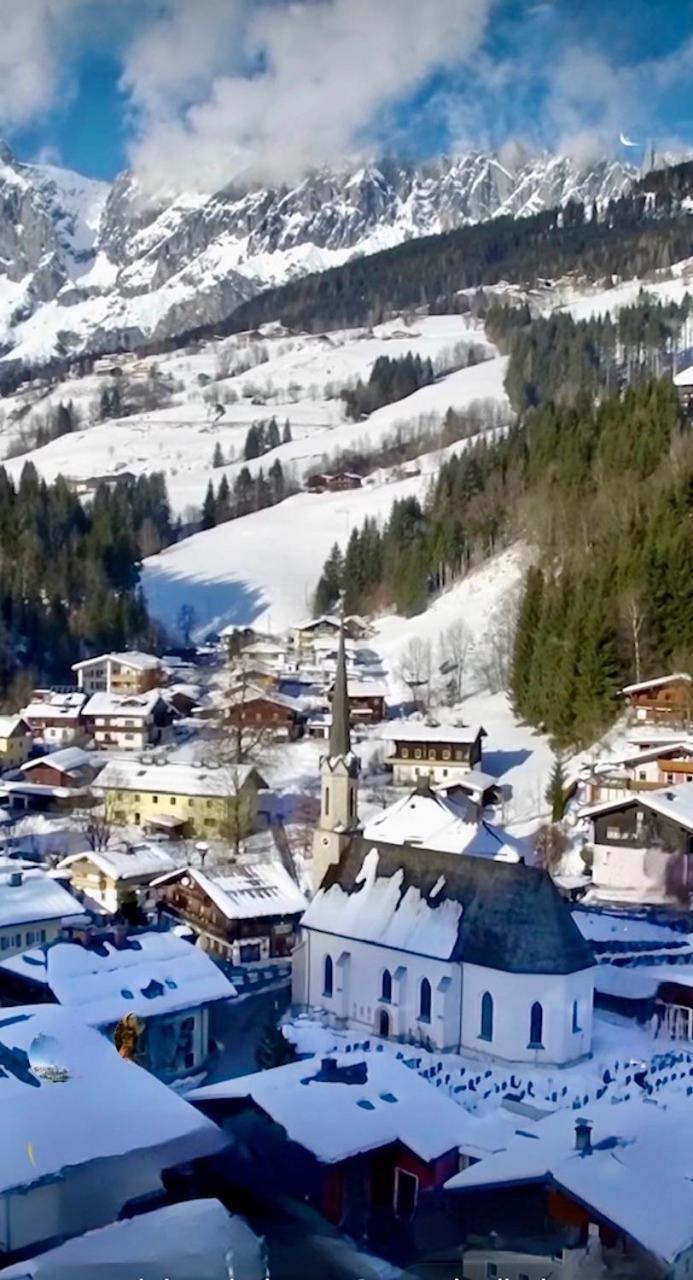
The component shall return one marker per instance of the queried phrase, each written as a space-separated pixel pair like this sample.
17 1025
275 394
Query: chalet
367 701
169 985
364 1139
479 787
70 767
183 698
183 799
327 626
650 769
56 717
643 846
115 877
250 914
129 722
15 742
318 483
69 1158
120 673
569 1181
262 709
33 908
442 753
666 700
87 486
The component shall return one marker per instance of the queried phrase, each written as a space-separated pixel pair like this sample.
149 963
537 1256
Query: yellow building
114 877
15 742
187 800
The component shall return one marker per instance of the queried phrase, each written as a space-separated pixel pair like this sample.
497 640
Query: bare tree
95 819
244 737
498 644
634 617
415 668
550 845
454 647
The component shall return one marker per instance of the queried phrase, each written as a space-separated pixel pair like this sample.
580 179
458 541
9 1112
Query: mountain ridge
87 267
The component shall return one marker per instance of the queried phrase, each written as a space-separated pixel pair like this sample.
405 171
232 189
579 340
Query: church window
386 986
576 1017
536 1026
352 801
327 801
486 1032
425 1001
328 977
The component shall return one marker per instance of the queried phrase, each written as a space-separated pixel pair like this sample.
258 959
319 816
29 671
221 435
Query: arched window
576 1017
425 1000
486 1032
386 986
328 977
327 801
536 1024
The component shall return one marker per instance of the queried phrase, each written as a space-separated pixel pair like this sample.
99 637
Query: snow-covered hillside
85 267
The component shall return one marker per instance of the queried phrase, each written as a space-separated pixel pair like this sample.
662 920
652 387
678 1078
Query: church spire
340 736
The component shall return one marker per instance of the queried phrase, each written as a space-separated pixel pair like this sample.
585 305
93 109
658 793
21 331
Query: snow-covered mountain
86 267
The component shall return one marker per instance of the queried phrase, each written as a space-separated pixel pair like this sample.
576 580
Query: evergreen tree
253 444
286 433
273 439
222 508
274 1050
209 509
331 582
217 456
556 790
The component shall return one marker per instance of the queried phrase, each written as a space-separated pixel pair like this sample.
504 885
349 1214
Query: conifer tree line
604 493
249 493
555 357
389 380
263 436
70 572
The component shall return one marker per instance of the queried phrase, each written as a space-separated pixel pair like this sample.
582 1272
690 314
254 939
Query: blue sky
214 88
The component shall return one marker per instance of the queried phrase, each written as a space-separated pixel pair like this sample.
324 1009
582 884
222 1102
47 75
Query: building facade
441 753
120 673
666 700
642 847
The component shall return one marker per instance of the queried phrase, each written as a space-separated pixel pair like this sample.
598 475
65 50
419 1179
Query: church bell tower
339 775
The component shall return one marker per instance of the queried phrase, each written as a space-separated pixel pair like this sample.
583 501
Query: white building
129 722
33 908
467 953
83 1131
168 984
443 753
642 846
119 673
56 718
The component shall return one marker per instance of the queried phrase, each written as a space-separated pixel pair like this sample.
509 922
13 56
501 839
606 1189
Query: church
458 952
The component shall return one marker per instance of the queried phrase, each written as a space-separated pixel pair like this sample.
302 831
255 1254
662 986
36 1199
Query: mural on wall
128 1036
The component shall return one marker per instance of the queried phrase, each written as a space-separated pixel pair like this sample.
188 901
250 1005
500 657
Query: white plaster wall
407 773
513 996
29 935
633 875
358 968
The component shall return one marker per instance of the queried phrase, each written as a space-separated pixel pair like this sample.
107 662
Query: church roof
449 906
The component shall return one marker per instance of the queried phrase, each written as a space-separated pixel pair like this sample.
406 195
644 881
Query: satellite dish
47 1059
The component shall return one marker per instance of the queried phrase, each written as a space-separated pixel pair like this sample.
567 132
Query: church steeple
340 734
339 774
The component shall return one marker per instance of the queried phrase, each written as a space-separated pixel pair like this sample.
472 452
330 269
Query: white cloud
289 84
34 57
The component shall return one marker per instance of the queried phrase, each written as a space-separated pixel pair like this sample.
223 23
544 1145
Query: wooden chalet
260 708
252 913
665 700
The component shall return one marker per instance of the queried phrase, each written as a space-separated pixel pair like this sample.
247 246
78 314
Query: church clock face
326 839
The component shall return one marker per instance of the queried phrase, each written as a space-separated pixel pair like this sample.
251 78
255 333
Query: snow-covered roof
136 862
56 706
634 758
624 1178
28 897
249 892
684 378
244 693
336 1120
675 678
672 802
50 1126
176 779
138 661
10 725
418 731
133 705
193 1238
367 689
67 760
499 914
150 974
433 821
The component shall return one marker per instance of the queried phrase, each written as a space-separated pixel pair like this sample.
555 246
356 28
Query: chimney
583 1136
15 879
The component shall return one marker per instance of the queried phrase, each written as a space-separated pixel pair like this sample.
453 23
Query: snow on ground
671 285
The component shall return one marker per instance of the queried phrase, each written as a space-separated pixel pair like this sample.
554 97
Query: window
328 977
406 1193
486 1032
42 935
173 799
491 1271
425 1001
352 802
155 799
4 943
417 753
327 801
576 1017
614 833
536 1025
30 938
405 753
208 804
431 754
642 774
386 986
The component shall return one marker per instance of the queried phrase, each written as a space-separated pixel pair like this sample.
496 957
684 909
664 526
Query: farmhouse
254 708
442 753
250 914
666 700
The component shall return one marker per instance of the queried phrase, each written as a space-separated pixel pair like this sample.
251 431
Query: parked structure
130 722
184 799
120 673
442 753
158 978
250 914
666 700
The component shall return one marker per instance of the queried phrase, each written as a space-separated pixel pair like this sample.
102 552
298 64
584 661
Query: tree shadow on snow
499 762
